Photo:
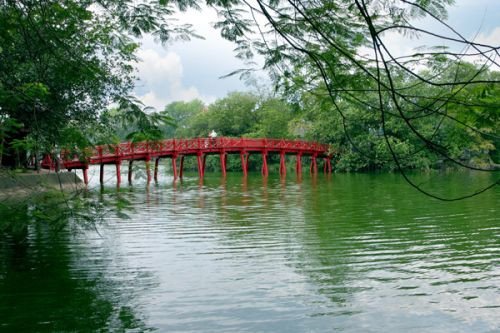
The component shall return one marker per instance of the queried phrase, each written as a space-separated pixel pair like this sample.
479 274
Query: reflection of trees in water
254 213
348 234
324 255
49 281
236 198
373 230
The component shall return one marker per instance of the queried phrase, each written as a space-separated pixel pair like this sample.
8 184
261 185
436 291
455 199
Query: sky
182 71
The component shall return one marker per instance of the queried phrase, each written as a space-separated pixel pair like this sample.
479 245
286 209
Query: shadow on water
48 280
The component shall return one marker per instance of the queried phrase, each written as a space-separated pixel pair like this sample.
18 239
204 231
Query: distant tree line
307 116
63 63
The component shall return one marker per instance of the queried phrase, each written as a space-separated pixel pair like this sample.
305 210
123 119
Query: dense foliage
63 63
412 103
310 116
466 130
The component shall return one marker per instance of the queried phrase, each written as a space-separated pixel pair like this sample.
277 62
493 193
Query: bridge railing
172 146
205 143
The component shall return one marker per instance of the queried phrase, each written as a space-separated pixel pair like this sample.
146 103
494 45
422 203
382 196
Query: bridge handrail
176 146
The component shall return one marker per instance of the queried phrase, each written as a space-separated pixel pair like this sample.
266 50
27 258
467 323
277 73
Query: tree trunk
11 157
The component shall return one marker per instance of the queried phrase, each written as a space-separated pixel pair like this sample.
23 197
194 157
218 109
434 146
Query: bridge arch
178 149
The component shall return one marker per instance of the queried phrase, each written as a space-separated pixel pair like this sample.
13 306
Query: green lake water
345 253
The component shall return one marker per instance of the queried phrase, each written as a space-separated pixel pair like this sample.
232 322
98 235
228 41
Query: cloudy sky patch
188 70
161 79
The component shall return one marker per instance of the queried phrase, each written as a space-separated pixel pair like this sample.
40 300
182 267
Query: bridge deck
174 148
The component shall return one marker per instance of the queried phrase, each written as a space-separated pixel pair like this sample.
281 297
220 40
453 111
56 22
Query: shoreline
22 184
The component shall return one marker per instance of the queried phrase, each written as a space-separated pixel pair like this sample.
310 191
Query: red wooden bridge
199 147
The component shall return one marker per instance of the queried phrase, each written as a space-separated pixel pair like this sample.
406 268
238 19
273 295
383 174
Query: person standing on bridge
213 136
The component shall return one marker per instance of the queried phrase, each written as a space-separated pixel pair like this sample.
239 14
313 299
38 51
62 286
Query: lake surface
345 253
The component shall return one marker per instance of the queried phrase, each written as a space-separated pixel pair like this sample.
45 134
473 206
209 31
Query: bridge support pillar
298 166
148 169
223 160
86 174
174 166
327 166
157 161
201 160
130 164
265 170
118 165
282 164
314 166
101 174
244 162
181 167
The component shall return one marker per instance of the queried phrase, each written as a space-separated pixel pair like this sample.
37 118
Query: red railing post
222 156
298 166
265 171
282 163
314 167
200 160
201 146
244 162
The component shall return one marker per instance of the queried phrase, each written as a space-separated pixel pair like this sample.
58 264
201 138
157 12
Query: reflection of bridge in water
199 147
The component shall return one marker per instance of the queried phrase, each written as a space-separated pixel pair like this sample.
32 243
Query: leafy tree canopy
63 62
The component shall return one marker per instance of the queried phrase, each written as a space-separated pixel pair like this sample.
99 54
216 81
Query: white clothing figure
213 138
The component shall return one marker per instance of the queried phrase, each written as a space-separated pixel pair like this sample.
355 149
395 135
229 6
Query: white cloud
155 70
186 70
194 67
150 99
400 45
493 38
161 79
